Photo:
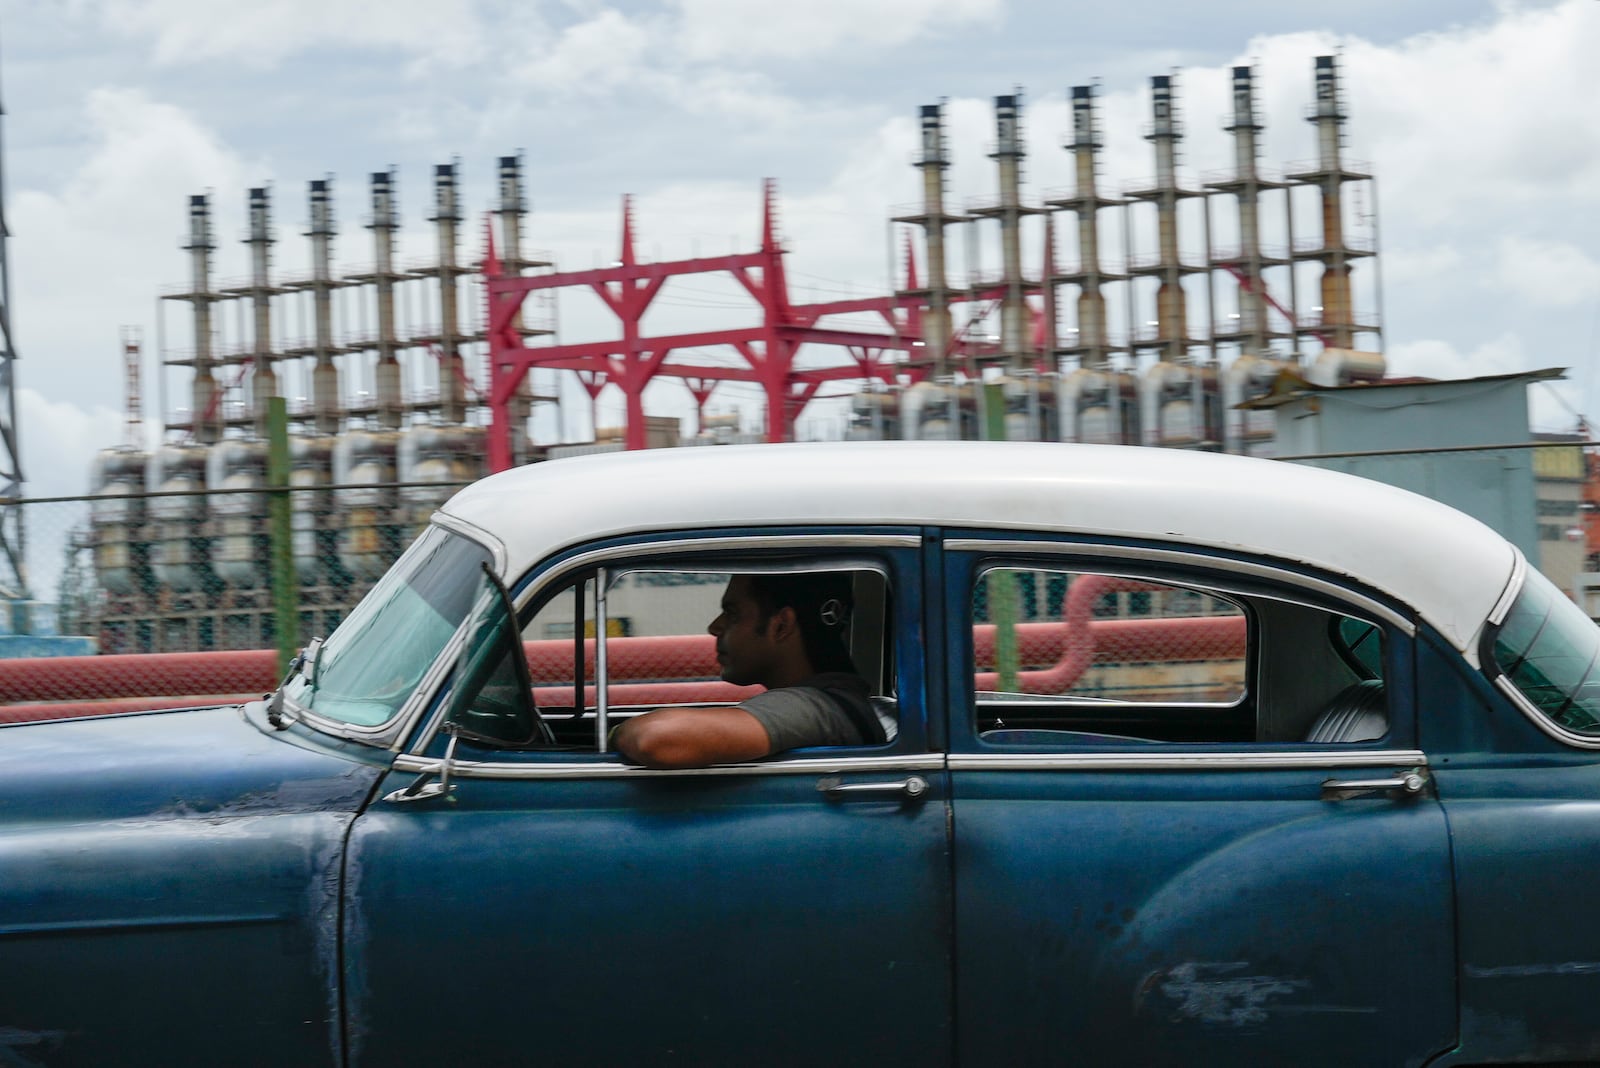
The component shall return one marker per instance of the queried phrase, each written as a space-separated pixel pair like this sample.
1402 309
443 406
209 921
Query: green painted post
285 589
1002 584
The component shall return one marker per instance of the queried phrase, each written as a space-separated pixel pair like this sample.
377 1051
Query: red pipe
38 711
80 678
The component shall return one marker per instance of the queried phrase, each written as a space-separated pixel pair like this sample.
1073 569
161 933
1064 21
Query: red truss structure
630 362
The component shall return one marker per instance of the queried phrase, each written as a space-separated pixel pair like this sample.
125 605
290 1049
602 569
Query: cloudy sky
1478 117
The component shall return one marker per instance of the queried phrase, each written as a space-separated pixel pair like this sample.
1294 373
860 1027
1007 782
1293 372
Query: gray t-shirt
805 714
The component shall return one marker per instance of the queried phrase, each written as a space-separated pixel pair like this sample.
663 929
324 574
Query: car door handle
1411 784
833 786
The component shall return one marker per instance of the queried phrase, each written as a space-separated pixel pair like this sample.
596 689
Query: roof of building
1290 386
1448 567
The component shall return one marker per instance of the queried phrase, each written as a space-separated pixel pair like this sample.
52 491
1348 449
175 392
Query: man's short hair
822 604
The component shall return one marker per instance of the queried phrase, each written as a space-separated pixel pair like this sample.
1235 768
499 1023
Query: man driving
788 633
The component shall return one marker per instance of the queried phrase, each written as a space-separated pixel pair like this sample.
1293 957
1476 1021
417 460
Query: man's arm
692 737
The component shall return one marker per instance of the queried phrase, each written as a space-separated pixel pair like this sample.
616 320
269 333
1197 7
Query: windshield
372 662
1548 648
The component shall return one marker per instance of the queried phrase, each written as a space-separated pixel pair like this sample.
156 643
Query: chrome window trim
1542 721
634 550
1228 761
1519 575
483 769
1185 558
473 532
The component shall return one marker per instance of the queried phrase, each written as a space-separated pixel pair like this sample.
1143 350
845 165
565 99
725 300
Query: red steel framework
767 350
631 361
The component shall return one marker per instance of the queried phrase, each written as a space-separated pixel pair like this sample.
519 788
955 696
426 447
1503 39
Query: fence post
1002 584
285 590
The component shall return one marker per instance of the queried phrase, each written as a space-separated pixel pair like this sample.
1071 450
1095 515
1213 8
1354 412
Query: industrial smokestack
932 161
1328 116
1172 316
263 378
1245 128
1008 155
204 400
1085 149
324 374
386 375
512 205
447 216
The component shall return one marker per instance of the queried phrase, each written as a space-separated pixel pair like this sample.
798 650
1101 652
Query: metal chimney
324 374
932 161
1328 116
205 401
1093 340
1008 155
263 377
1171 309
386 375
1247 191
447 216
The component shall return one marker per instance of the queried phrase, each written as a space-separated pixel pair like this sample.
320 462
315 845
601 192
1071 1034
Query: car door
1152 865
559 907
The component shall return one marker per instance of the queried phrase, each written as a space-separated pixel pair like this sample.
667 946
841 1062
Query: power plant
1138 325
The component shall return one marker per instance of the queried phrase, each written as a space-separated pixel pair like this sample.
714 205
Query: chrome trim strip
669 548
1232 761
1519 575
407 721
1178 556
1542 721
472 532
474 769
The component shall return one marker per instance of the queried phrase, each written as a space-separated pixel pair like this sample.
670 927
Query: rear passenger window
1079 657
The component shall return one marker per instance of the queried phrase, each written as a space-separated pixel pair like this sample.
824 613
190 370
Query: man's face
746 649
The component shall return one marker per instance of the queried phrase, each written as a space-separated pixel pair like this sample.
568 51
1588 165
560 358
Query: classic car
1193 759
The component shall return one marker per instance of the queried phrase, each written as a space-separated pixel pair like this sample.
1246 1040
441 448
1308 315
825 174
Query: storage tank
1183 406
1099 407
1031 410
313 533
939 411
1250 432
1344 367
370 528
117 520
874 415
180 550
236 472
447 455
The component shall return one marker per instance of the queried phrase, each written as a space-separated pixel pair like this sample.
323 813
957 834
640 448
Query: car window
1548 648
1067 657
656 650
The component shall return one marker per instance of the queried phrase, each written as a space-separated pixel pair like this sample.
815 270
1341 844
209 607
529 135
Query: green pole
285 602
1002 584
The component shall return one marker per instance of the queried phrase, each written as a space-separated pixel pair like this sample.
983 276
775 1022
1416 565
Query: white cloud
84 251
592 56
1547 273
729 29
262 32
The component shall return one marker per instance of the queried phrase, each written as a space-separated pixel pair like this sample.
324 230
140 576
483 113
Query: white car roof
1449 568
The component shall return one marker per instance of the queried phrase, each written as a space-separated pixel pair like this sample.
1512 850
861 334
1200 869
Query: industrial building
1159 306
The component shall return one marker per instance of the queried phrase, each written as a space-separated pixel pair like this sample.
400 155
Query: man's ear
785 624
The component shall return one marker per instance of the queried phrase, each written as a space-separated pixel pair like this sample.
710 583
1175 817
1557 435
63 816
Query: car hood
201 762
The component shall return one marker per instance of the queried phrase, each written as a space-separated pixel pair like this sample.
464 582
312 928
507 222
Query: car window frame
1238 574
911 750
